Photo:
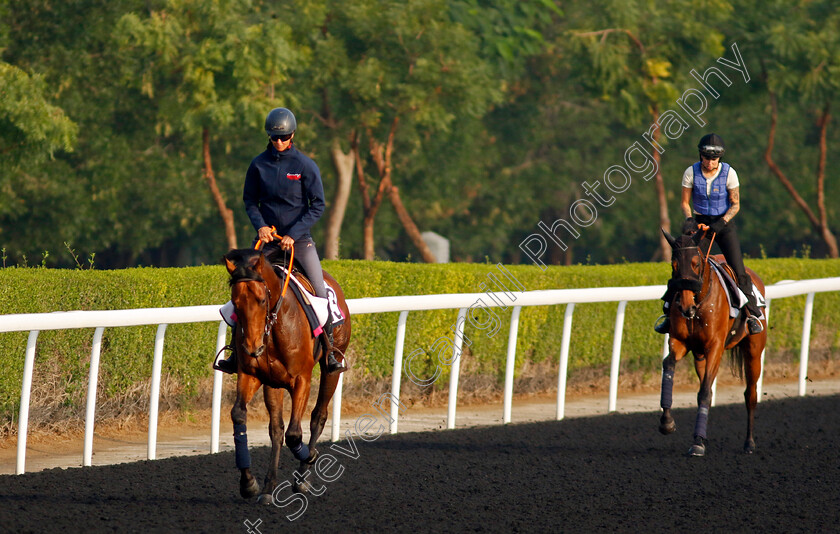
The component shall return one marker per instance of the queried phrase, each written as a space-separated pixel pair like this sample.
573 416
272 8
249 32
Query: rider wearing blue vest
283 190
713 188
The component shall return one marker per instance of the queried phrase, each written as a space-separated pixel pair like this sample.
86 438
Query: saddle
319 311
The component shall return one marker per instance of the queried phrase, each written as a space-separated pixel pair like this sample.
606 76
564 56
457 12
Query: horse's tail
736 361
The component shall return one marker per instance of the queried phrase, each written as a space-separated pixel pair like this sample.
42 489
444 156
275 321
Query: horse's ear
230 265
697 237
669 238
260 263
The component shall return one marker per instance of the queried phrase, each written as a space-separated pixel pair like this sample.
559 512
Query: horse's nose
257 352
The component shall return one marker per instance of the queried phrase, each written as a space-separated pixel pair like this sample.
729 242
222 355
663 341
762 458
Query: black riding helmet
711 145
280 121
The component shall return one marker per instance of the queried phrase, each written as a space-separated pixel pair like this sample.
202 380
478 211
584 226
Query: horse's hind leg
294 434
319 414
246 386
752 371
318 421
678 350
274 404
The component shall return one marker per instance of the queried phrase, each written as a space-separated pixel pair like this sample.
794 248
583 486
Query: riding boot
228 365
663 323
333 365
754 325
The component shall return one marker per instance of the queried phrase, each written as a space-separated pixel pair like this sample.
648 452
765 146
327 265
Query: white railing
100 320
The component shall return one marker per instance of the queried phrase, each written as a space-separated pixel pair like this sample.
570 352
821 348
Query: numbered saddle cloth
319 311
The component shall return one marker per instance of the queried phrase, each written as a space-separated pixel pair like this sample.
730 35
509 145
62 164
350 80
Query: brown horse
276 349
700 323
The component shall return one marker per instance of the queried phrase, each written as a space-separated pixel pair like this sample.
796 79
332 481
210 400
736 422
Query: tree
207 67
390 75
803 64
637 52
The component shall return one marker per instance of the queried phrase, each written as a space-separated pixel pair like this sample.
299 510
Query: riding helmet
711 146
280 121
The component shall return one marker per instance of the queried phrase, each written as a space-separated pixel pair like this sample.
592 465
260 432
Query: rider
715 206
283 190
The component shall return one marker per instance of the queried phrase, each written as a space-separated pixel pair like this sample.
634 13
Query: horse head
255 296
687 270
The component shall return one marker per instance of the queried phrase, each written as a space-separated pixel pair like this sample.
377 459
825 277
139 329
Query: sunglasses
283 138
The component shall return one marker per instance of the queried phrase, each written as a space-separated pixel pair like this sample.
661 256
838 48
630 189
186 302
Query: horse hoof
313 456
749 446
265 499
697 450
250 490
302 487
668 427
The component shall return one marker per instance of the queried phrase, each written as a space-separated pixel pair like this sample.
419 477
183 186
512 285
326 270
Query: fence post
616 354
511 361
455 370
335 430
564 361
806 342
25 391
90 408
155 392
216 406
396 375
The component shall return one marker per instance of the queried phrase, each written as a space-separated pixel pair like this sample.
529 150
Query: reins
274 234
271 315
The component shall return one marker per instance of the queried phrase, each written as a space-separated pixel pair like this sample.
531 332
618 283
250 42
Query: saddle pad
733 291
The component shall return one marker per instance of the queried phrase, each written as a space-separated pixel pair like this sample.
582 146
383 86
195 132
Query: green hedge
126 359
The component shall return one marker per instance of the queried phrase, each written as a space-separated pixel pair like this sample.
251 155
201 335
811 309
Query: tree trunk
664 220
824 229
369 206
820 225
343 164
410 227
224 211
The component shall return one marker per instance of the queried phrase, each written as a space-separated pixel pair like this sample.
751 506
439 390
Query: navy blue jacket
284 189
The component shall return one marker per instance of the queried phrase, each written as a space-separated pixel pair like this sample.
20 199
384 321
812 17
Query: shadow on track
606 473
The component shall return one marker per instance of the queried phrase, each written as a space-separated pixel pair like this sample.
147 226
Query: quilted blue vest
717 201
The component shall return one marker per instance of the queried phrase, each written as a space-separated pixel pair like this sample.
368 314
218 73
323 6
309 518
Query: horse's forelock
244 261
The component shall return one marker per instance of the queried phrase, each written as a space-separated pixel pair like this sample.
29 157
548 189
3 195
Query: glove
689 226
718 226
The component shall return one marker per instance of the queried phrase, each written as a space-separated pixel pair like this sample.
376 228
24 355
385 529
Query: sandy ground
179 438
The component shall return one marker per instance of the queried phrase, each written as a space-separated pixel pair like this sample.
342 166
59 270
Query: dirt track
607 473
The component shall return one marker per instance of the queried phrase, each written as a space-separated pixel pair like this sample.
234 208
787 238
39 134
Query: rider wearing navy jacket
713 188
283 189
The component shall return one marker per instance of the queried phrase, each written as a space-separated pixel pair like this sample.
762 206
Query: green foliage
63 356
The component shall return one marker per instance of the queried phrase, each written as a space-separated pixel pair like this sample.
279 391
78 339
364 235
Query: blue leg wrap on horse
240 442
300 451
702 419
667 397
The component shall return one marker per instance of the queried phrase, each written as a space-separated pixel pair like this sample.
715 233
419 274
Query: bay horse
700 323
275 348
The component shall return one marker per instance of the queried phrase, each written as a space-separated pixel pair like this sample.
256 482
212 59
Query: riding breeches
307 255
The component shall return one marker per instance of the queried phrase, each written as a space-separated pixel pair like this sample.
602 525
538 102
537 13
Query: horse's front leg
274 404
669 364
707 366
246 386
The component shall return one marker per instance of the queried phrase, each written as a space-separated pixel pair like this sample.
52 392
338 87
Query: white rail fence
162 317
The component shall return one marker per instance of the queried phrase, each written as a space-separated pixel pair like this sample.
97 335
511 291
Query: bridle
271 312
